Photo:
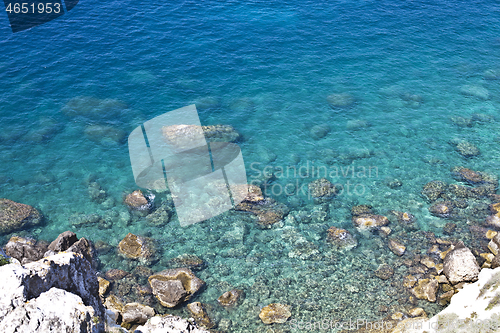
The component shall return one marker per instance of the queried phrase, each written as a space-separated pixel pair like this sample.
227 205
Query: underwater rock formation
138 248
321 190
231 298
138 201
369 222
93 108
341 239
15 216
189 136
275 313
341 100
200 315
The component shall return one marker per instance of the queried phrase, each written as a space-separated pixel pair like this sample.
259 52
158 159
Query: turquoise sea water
266 68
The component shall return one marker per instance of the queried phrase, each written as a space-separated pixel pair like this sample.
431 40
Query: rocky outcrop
170 324
69 242
25 249
15 216
58 293
474 308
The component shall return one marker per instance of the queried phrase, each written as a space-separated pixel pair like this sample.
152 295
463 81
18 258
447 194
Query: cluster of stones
453 200
267 210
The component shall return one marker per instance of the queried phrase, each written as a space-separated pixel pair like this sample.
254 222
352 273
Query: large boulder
174 286
460 265
15 216
59 292
25 249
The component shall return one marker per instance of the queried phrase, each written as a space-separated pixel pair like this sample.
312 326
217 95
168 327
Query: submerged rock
267 211
384 272
174 286
426 289
396 247
474 177
138 201
59 290
441 209
93 108
105 134
369 222
475 91
319 131
16 216
190 261
467 149
341 239
434 189
275 313
200 315
231 298
322 190
190 136
138 248
342 100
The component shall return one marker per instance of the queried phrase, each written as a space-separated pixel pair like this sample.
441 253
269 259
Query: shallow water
268 68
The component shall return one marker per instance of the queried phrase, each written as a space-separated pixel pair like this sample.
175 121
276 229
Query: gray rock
25 249
135 313
58 290
460 265
63 241
170 324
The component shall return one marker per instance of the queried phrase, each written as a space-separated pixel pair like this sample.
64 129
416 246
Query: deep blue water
269 66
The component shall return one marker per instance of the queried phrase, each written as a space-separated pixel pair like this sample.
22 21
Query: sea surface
422 77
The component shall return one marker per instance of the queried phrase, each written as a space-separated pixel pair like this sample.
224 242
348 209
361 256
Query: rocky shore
64 286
